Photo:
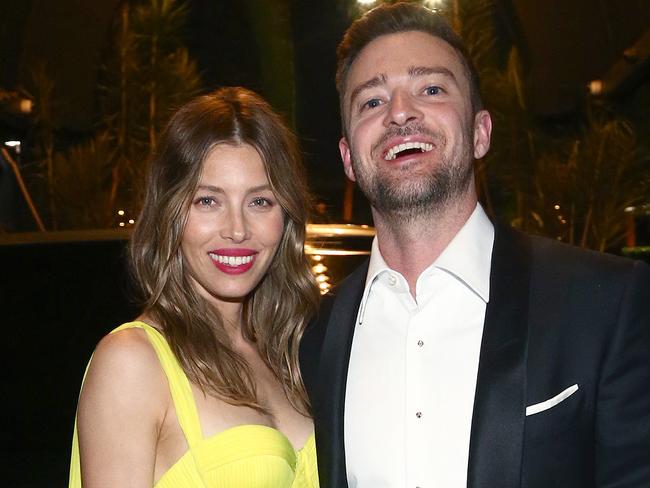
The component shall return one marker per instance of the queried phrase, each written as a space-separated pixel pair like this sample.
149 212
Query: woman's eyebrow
218 189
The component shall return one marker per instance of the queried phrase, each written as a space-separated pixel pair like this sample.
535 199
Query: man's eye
433 90
372 103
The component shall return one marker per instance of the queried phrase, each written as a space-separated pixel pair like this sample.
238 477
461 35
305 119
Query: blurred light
556 207
325 230
120 212
319 268
14 144
324 286
322 278
366 2
26 106
595 87
122 224
131 221
333 252
432 3
316 257
630 209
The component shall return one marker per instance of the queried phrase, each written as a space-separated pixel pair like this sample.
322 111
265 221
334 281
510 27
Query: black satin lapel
496 442
329 407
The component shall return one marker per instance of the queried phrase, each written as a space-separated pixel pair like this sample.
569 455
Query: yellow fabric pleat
246 456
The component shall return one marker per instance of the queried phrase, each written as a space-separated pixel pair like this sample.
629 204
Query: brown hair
393 19
275 313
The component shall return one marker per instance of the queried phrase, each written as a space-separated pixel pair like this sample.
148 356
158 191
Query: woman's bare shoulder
121 409
125 372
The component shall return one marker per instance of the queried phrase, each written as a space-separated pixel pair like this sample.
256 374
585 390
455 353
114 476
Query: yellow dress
245 456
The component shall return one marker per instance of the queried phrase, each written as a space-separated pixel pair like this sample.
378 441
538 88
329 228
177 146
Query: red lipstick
233 261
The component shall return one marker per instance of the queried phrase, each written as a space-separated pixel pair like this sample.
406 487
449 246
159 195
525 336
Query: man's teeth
231 260
393 151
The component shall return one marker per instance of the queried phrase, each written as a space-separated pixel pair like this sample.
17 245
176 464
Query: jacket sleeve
311 345
623 403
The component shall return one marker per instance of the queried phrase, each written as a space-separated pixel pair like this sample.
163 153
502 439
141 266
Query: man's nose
402 109
235 227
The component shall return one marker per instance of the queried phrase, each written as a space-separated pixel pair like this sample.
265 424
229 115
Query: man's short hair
393 19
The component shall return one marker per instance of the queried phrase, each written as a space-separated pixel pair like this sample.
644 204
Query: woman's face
234 225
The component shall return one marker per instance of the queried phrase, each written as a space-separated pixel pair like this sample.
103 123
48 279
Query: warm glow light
122 224
120 212
131 221
366 2
319 268
334 252
322 278
556 207
316 257
324 286
596 87
26 106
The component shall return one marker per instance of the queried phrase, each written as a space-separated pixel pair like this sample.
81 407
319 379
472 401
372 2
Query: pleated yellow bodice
244 456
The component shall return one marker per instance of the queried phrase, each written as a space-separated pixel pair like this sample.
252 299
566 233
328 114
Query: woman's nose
235 227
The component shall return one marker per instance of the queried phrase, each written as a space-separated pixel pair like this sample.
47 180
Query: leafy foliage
572 184
146 75
81 176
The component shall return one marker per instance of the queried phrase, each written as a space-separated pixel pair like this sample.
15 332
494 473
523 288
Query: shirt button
392 280
420 343
418 414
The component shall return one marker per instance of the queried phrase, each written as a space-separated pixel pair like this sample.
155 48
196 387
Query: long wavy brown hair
276 311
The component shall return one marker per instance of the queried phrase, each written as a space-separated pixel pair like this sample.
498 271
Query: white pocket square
551 402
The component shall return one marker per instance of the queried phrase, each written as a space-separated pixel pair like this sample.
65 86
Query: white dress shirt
412 374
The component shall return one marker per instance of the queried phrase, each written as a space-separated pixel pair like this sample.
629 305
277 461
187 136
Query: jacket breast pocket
557 414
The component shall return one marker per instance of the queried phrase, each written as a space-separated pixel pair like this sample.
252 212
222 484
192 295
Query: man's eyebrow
415 71
371 83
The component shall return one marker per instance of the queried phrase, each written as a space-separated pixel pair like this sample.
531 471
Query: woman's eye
205 201
433 90
261 202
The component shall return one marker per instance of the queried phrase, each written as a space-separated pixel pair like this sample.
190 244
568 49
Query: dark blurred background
85 87
79 79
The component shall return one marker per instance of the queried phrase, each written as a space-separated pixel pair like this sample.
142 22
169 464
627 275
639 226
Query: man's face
411 135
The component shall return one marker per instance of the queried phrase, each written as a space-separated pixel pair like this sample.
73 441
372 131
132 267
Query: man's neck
410 245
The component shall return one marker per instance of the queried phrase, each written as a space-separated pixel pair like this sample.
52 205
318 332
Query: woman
203 389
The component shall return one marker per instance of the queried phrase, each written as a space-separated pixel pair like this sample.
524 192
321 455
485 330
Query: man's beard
411 196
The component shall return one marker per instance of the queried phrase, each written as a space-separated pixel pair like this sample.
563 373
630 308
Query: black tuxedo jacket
557 316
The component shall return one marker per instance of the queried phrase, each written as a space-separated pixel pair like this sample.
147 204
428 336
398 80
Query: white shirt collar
467 257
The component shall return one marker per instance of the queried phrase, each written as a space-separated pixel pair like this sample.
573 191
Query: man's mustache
405 131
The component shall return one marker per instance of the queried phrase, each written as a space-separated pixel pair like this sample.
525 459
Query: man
464 353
